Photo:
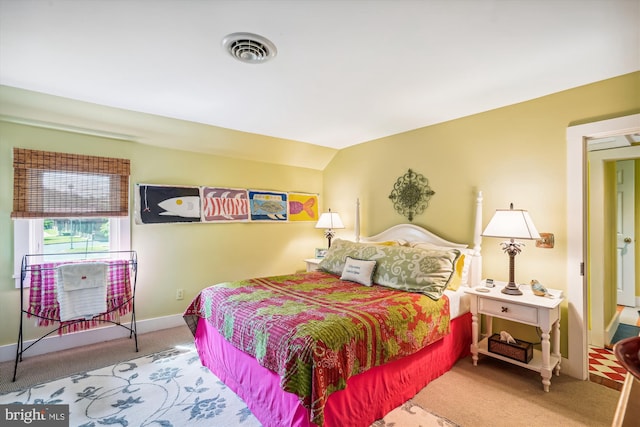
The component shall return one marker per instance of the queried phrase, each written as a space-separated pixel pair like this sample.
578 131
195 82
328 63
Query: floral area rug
411 415
167 389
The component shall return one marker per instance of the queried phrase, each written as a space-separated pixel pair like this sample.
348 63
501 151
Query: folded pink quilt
43 302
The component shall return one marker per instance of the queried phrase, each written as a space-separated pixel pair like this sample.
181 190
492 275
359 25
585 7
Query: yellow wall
188 256
514 154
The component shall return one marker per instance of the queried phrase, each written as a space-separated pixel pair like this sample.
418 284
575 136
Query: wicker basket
522 351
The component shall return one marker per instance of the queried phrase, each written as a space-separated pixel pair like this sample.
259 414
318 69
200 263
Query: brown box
521 351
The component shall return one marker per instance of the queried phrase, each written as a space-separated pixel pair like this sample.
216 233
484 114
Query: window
68 203
48 184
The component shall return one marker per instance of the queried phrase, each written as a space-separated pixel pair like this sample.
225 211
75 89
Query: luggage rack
47 263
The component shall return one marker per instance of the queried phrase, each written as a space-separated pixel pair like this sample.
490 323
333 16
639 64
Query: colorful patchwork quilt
316 331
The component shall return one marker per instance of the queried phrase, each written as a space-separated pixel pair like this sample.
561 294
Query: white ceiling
346 71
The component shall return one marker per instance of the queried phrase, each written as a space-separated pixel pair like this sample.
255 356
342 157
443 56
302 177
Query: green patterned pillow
426 271
334 260
416 270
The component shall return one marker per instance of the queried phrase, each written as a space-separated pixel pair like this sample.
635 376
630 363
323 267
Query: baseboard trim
573 371
92 336
611 329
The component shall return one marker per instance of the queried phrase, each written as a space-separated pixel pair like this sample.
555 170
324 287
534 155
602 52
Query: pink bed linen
368 396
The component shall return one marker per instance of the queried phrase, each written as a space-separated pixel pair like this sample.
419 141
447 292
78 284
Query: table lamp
511 224
329 221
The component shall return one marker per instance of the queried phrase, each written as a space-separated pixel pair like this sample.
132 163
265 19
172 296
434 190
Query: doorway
577 232
627 319
626 179
611 267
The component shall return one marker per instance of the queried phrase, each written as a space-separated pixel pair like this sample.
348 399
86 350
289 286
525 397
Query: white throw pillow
358 270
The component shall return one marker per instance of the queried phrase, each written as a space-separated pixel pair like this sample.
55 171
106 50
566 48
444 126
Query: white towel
82 289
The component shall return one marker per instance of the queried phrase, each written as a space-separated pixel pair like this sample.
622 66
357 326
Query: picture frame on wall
321 252
268 206
221 204
303 207
162 204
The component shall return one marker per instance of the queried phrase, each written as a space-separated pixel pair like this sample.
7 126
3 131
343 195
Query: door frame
602 330
577 362
625 216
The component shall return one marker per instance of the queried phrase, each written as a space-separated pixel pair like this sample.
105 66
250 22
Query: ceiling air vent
249 48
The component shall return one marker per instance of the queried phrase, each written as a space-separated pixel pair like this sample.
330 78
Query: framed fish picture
268 206
303 207
224 204
165 204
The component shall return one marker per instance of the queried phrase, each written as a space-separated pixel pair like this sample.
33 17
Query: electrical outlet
179 294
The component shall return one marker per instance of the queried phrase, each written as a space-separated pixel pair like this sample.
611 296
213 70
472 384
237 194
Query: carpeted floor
499 394
169 388
38 369
493 393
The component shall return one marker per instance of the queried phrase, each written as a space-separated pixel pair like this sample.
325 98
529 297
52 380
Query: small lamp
329 221
511 224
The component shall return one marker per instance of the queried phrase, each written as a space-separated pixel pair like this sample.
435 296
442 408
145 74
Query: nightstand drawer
509 311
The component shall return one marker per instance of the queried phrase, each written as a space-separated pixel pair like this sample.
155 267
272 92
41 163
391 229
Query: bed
328 348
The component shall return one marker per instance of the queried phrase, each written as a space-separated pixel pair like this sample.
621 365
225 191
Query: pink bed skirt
367 398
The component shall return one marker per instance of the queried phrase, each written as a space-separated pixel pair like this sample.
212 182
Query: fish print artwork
174 203
164 204
187 207
224 204
303 207
268 206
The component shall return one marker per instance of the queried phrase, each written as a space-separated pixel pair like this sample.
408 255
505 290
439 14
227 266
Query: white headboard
413 233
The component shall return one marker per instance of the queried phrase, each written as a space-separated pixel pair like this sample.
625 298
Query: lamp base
511 289
329 233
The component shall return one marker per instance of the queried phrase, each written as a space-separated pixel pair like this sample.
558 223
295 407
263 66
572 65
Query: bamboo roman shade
47 184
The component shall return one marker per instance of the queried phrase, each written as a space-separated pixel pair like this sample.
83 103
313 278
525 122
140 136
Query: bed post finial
477 232
357 221
477 241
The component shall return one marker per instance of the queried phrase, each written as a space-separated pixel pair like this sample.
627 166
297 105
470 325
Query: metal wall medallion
411 194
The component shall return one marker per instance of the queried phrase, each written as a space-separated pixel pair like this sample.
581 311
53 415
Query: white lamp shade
329 220
511 224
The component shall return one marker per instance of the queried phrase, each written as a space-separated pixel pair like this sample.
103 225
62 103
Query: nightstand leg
545 371
474 338
556 345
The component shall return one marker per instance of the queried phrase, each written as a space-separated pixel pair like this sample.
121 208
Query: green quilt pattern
315 330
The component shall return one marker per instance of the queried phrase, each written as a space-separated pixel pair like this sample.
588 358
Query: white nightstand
529 309
312 263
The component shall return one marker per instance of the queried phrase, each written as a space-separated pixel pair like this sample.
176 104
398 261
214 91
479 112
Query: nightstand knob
505 309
